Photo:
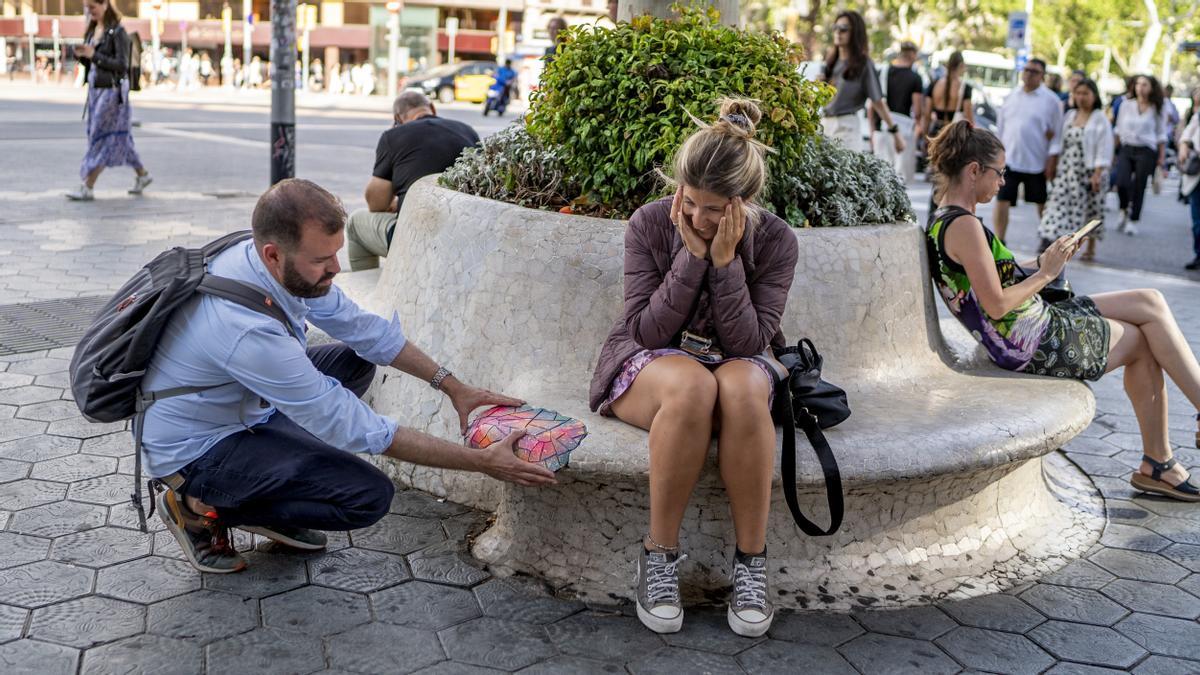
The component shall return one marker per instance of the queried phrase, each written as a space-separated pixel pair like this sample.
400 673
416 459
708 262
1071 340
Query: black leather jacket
111 59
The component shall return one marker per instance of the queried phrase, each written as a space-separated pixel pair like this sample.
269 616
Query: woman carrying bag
105 58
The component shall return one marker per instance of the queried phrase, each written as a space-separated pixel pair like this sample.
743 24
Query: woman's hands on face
1055 258
692 240
729 233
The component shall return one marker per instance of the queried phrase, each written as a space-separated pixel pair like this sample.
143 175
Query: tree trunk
627 9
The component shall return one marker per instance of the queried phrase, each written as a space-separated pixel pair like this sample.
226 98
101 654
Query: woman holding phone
105 58
707 275
1081 338
1076 196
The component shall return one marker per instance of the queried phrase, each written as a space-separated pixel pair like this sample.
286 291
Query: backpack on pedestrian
112 357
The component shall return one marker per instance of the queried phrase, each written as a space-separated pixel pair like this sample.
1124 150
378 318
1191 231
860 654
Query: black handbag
1056 291
1192 166
803 399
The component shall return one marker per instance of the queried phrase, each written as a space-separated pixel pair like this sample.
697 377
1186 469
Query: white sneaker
82 194
140 183
1130 229
659 607
1124 221
750 612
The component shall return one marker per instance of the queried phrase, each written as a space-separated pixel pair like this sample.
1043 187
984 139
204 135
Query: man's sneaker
205 542
294 537
83 193
750 612
1124 223
1131 229
140 183
659 606
1194 265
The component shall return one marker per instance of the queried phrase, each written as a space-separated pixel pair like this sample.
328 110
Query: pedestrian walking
1141 148
1189 144
904 93
105 57
948 99
1068 96
1030 125
850 70
1077 195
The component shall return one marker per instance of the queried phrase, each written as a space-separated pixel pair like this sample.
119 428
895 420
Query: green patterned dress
1068 338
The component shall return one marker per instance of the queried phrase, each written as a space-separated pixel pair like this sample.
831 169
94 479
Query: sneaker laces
749 586
662 580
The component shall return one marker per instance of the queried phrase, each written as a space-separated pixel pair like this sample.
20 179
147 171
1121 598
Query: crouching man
273 450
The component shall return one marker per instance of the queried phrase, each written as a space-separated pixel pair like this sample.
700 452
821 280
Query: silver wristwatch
438 378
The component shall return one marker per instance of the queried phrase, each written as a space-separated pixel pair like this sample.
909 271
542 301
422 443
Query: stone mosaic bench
949 490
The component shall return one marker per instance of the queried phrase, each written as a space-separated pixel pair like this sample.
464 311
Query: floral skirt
634 365
1075 344
109 120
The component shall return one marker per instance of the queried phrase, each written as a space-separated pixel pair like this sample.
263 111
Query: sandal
1186 491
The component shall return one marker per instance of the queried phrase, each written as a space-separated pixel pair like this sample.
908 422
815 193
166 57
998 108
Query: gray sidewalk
81 590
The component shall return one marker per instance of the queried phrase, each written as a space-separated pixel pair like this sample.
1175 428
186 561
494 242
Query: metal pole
393 47
227 56
154 42
54 28
247 40
283 90
502 30
32 62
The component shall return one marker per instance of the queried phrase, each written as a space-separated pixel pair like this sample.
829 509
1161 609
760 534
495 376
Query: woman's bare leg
90 181
1147 391
673 397
746 449
1148 310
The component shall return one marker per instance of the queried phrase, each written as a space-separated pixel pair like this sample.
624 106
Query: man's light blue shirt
261 369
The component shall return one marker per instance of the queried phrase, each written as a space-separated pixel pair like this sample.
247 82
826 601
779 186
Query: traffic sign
1018 24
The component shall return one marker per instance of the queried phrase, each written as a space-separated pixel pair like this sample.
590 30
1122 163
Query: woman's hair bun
739 115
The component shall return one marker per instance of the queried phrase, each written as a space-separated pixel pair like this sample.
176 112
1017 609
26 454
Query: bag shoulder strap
246 295
950 214
787 461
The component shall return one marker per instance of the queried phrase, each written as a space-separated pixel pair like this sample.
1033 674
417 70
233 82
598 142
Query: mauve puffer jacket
668 290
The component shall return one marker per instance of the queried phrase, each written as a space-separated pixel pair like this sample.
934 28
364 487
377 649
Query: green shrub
832 186
511 166
616 100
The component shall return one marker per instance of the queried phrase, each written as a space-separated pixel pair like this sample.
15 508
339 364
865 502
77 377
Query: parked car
462 81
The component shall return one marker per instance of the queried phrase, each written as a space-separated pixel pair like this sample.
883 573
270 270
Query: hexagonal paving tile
11 469
37 658
1163 635
265 651
1185 555
12 622
144 654
508 599
681 660
384 648
10 380
203 616
496 643
356 569
39 448
875 653
101 547
1133 537
126 516
87 621
79 427
995 651
106 490
1177 530
17 549
1165 665
707 630
398 534
110 445
43 583
147 580
1190 584
57 519
1138 565
27 493
921 623
423 505
418 604
461 527
455 668
74 468
315 610
49 411
13 429
1074 604
603 637
1167 507
1094 645
30 394
997 611
1151 598
826 629
39 366
774 656
445 564
264 575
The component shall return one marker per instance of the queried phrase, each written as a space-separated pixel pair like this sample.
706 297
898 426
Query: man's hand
899 142
466 399
499 461
1051 167
395 205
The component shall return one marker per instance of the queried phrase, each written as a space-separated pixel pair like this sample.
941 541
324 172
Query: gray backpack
111 358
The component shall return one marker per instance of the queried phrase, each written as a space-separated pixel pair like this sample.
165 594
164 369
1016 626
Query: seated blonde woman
1082 338
707 275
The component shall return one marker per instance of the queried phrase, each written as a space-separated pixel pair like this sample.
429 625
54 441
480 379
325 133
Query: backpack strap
215 246
246 295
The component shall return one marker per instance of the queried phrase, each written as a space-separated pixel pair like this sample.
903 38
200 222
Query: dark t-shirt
902 83
419 148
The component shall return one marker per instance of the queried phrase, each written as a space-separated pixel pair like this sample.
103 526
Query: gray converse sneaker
659 606
83 193
294 537
750 612
140 183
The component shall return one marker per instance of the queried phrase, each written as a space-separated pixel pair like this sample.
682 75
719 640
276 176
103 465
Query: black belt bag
804 400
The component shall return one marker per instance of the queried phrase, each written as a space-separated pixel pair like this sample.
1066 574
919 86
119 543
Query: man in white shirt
1030 127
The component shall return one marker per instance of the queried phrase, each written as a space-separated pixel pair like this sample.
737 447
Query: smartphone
1084 231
